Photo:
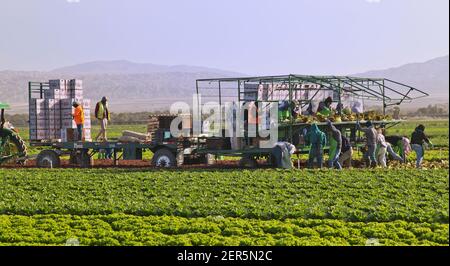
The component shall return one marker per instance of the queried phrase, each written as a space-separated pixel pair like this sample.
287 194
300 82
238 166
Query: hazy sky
249 36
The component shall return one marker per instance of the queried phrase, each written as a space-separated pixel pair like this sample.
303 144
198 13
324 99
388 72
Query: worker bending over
78 117
103 115
400 147
282 152
335 146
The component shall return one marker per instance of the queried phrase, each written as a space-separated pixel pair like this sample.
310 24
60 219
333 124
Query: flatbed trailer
81 152
174 152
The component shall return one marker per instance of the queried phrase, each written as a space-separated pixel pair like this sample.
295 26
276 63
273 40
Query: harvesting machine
12 147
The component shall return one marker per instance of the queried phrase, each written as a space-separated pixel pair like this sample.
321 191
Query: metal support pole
220 104
116 161
384 99
291 120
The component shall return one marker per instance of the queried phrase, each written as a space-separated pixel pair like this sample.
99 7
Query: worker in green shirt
317 141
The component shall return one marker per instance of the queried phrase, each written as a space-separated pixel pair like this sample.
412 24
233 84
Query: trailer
298 91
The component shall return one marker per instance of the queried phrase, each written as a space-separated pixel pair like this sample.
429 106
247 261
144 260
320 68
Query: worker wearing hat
78 117
103 115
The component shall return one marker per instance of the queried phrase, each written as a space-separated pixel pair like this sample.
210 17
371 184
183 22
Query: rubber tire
172 160
17 141
248 162
85 161
48 156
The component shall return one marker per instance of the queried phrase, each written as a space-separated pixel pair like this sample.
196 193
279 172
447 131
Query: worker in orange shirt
78 117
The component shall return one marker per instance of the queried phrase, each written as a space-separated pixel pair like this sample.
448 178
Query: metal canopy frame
386 91
378 89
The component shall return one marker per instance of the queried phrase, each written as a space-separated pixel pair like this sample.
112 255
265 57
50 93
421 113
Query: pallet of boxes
51 115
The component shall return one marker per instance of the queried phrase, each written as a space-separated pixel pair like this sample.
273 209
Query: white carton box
75 84
87 134
39 114
87 123
75 94
66 123
39 123
38 134
59 84
66 113
86 104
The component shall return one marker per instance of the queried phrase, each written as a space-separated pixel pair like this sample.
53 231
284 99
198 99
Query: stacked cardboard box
51 117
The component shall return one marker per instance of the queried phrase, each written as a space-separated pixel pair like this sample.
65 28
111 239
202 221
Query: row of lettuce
121 229
201 207
359 196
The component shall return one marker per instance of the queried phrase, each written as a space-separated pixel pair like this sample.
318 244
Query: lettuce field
224 207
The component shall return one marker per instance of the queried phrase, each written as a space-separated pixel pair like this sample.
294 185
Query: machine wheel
13 148
164 158
48 159
85 160
248 162
81 158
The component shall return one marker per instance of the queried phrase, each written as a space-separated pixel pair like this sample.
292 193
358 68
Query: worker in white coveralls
282 152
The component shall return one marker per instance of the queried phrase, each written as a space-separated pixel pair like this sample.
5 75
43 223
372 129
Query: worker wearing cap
103 115
78 117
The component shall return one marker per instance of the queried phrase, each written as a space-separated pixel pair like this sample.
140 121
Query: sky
258 37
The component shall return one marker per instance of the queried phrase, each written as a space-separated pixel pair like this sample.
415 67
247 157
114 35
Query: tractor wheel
164 158
12 147
86 161
81 158
48 159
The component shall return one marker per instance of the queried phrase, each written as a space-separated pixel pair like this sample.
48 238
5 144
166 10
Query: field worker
282 152
346 152
335 146
325 107
381 148
103 115
371 142
78 117
398 147
317 140
418 140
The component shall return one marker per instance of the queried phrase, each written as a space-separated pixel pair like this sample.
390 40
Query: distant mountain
127 67
129 86
431 76
134 87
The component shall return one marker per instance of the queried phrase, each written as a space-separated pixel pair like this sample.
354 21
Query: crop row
120 229
354 195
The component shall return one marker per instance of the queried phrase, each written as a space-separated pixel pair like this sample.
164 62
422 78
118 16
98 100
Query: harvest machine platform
297 90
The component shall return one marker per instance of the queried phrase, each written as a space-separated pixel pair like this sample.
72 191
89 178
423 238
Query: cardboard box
38 134
75 84
86 104
87 134
59 84
39 123
66 123
75 94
